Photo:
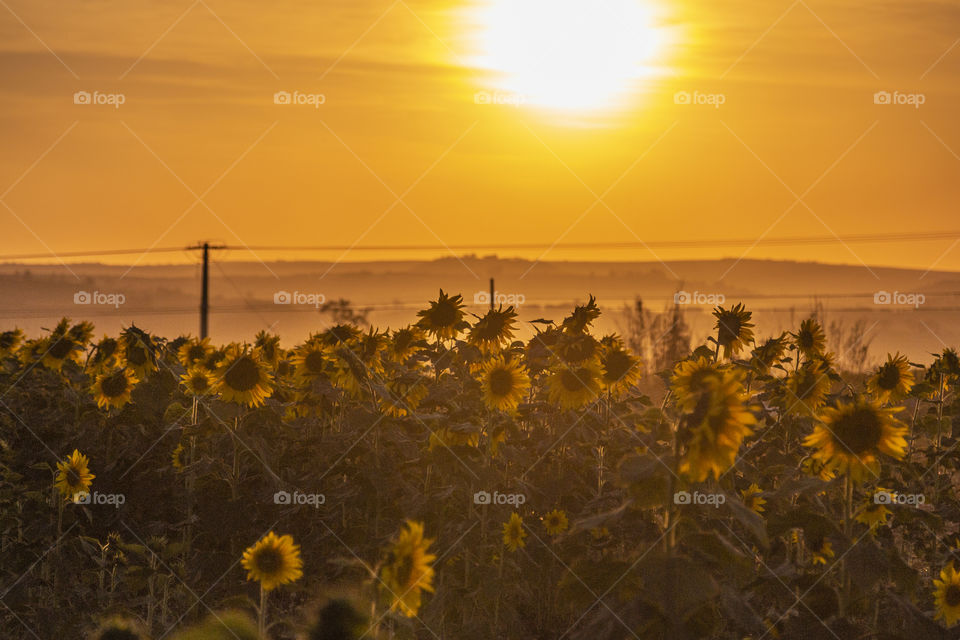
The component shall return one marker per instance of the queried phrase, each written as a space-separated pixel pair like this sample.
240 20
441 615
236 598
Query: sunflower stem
263 613
848 532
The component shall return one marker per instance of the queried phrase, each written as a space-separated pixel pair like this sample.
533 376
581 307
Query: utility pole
493 294
205 285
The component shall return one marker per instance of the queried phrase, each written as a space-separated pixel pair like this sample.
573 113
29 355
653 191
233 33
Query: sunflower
269 346
575 348
404 343
311 360
753 498
539 351
582 317
444 318
621 370
690 379
768 354
493 330
198 381
946 595
349 372
404 395
194 351
138 351
892 381
32 351
713 431
513 533
338 335
407 571
555 522
733 327
873 512
806 389
112 388
176 458
814 467
120 629
573 387
242 378
62 346
273 561
504 383
810 340
73 476
447 437
852 436
106 355
9 341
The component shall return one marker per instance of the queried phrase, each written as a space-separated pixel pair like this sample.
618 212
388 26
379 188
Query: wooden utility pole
493 293
205 285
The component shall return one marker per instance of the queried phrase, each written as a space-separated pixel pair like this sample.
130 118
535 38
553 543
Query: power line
653 244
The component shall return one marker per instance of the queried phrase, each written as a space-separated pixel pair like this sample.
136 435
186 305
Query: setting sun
562 54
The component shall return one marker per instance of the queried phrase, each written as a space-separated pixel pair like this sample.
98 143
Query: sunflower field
446 480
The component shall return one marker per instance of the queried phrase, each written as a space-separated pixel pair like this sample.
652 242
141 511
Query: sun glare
568 54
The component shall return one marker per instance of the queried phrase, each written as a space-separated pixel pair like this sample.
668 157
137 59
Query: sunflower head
768 354
946 595
444 318
714 428
513 532
339 619
621 370
810 339
405 343
504 383
873 512
733 328
556 522
198 381
138 349
119 629
690 379
806 389
242 377
194 351
9 341
753 498
493 330
274 560
582 317
852 437
113 387
73 476
269 346
407 571
312 360
404 393
572 387
892 380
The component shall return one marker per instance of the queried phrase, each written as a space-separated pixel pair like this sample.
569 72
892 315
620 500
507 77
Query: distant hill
165 299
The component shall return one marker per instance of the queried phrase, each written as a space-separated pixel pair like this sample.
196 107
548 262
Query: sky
489 124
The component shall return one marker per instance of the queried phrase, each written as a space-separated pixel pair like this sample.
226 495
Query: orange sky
400 120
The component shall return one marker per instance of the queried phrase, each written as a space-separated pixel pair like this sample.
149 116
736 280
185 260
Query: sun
567 54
